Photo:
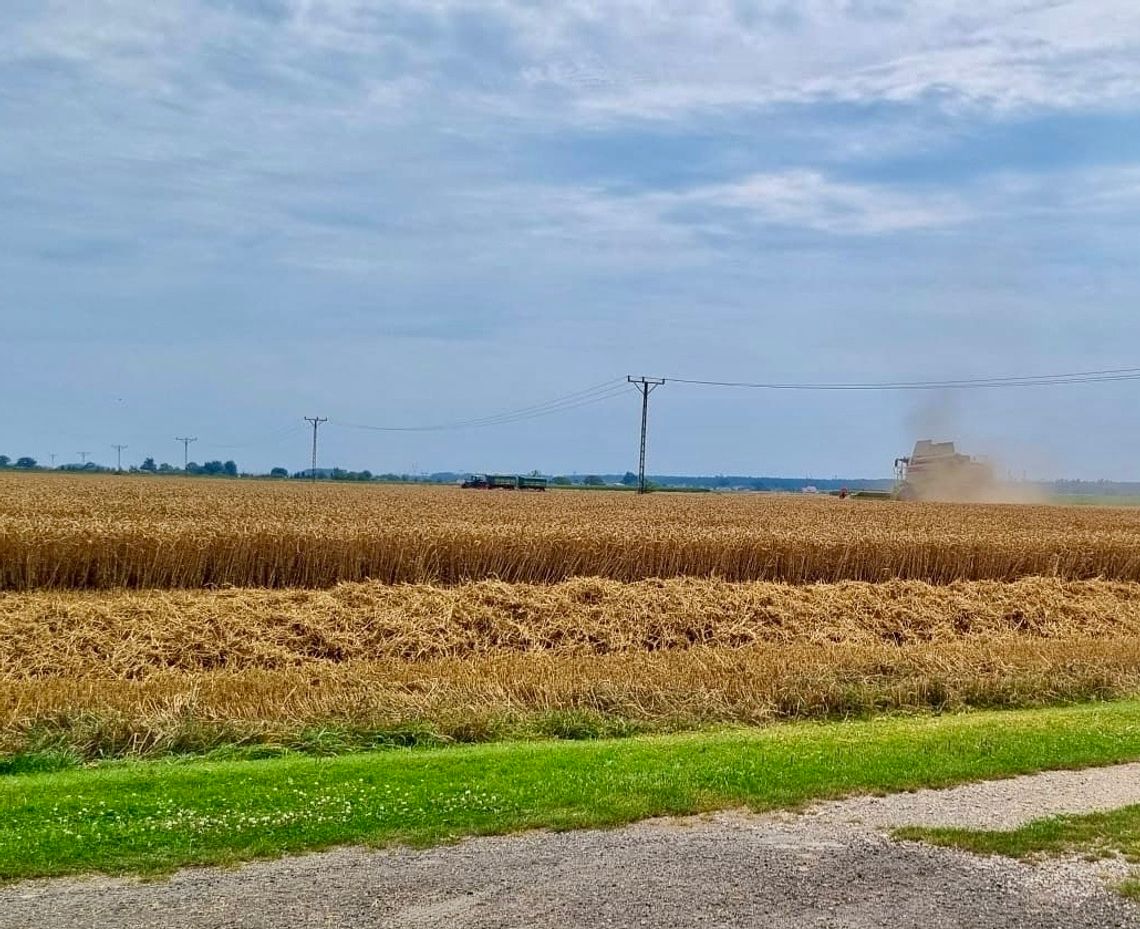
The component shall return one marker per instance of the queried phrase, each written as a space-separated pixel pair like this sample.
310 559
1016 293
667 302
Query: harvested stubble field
137 634
122 637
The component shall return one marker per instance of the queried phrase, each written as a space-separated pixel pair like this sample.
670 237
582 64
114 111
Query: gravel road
832 867
1004 804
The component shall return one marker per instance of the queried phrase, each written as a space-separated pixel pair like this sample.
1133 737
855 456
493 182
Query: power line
569 401
645 386
563 407
580 398
611 389
277 436
1043 380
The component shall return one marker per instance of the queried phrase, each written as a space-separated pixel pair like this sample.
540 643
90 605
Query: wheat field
143 615
80 532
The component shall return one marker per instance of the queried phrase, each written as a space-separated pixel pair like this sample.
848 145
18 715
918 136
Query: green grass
1095 499
1093 835
150 817
69 740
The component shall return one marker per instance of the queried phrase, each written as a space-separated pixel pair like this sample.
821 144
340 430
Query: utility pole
645 386
316 421
51 455
119 457
185 440
83 457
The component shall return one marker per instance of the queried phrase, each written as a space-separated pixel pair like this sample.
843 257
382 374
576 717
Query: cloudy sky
220 216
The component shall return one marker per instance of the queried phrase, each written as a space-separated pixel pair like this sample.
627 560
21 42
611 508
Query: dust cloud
971 474
988 490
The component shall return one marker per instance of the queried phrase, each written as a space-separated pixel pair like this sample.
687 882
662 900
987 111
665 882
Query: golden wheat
136 634
145 615
497 695
100 532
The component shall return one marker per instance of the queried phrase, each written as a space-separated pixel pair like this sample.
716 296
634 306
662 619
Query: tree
5 461
25 462
230 468
592 480
561 481
148 465
278 472
166 468
210 467
340 474
629 479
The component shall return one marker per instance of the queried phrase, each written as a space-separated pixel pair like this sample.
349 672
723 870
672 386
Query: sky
221 216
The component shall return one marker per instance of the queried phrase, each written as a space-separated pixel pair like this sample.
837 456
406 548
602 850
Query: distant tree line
223 468
217 469
24 464
213 468
327 474
627 480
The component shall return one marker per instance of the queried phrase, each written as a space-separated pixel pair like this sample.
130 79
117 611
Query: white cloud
660 59
1106 190
592 59
807 199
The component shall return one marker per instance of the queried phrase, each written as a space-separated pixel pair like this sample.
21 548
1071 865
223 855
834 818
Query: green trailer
504 482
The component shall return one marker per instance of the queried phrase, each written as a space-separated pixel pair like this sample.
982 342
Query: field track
81 532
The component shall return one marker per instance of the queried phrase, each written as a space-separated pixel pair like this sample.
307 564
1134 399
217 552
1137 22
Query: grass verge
1094 835
151 817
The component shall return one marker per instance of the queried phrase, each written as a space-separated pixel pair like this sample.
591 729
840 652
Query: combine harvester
936 471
